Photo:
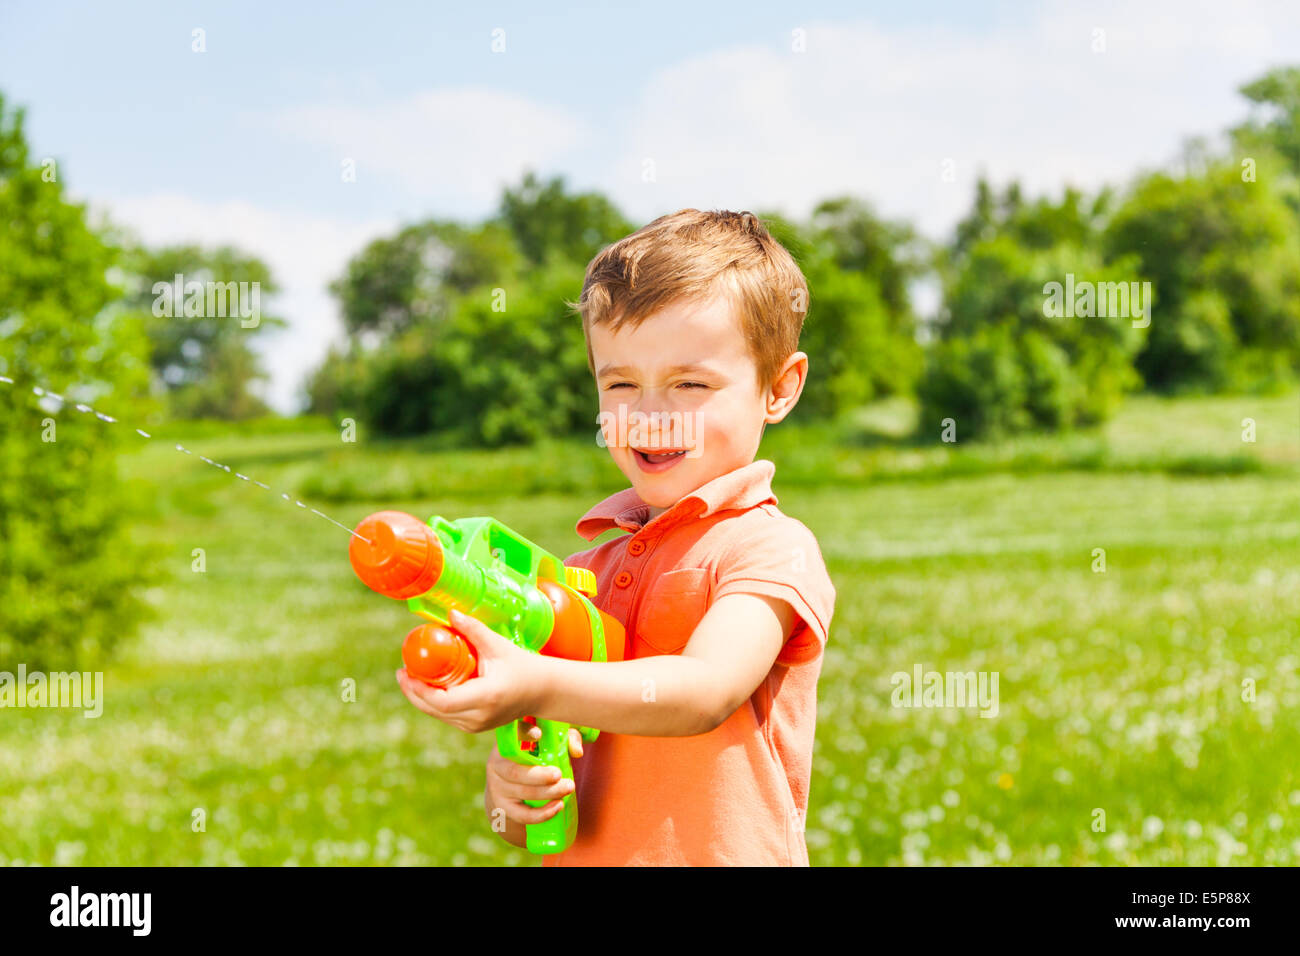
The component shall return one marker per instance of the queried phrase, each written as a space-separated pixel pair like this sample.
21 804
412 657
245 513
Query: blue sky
245 141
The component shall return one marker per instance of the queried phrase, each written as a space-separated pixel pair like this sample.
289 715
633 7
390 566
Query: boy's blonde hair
689 255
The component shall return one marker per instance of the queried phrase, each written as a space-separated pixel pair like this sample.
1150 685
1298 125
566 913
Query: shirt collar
738 490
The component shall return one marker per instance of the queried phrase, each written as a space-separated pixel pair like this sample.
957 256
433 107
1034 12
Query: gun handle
556 834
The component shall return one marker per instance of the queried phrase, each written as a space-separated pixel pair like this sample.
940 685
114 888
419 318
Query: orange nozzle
438 656
401 556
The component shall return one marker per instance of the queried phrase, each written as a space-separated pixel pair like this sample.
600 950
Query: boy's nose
659 425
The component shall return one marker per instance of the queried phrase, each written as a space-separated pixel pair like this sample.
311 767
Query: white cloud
304 253
875 112
458 144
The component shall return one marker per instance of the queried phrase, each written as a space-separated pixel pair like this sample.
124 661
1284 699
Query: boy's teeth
655 458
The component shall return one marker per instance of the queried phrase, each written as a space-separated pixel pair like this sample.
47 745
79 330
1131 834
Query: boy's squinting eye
614 385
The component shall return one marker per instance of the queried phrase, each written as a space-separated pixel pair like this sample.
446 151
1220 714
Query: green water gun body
482 568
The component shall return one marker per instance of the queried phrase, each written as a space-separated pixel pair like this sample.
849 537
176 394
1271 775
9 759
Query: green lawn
1120 691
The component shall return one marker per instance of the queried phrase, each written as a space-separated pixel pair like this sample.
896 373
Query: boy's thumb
474 630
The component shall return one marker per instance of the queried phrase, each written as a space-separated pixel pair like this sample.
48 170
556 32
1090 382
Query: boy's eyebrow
627 372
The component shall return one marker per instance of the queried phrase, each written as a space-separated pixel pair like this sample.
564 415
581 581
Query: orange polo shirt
737 795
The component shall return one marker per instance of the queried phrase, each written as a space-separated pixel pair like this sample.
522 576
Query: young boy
705 751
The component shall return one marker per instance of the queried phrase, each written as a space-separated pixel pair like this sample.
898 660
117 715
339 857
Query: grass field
1120 691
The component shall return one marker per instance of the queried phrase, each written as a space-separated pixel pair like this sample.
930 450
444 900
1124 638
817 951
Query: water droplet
45 394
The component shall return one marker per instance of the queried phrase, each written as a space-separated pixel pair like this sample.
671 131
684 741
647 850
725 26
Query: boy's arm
729 653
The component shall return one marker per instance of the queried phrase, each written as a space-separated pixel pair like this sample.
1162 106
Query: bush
979 383
520 372
1027 367
408 387
1052 390
857 349
68 576
507 365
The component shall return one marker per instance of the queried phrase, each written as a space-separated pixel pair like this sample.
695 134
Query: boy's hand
509 783
506 688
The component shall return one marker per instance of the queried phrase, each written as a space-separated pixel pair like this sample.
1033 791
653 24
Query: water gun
480 567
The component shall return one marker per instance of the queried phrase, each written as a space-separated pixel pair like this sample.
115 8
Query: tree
397 296
859 331
463 328
888 254
200 330
1223 255
413 277
69 575
859 349
547 221
520 360
1040 224
508 366
1006 361
1278 92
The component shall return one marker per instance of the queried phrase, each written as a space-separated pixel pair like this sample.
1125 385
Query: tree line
462 330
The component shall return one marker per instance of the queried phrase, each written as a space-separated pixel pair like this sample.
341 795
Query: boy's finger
520 792
522 813
530 774
515 808
575 742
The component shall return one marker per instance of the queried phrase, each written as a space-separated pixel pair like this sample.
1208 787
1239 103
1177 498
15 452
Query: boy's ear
785 391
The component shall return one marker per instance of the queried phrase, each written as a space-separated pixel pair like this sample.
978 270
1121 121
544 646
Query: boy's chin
664 491
658 491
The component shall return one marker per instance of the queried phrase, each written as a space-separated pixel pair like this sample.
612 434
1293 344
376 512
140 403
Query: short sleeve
779 557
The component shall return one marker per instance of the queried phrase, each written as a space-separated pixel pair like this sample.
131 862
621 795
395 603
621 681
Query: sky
437 107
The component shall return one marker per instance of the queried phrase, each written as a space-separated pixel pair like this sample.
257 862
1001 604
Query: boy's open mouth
657 460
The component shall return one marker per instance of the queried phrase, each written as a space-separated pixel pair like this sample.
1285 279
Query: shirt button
623 579
636 548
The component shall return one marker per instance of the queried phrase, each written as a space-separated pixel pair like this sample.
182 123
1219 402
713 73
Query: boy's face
679 398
